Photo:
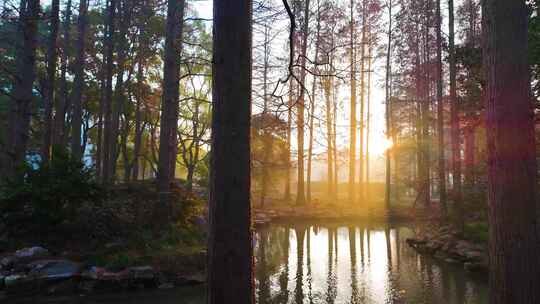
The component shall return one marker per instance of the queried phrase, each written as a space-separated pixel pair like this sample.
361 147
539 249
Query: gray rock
20 284
7 262
142 273
55 269
31 252
183 280
13 279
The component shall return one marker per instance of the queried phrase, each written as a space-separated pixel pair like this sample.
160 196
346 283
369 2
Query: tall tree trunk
440 115
470 149
267 145
513 212
454 118
50 84
59 134
169 103
425 172
334 143
108 92
19 107
311 138
289 129
138 119
362 102
312 108
230 260
329 136
387 107
352 128
125 9
76 121
368 117
300 192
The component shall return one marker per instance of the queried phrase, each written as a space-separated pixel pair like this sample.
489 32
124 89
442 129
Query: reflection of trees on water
352 253
283 296
299 289
308 261
331 280
261 272
409 277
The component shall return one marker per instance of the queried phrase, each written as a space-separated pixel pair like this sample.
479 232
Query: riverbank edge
445 243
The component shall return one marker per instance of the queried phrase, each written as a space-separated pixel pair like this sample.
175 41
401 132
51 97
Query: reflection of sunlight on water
338 268
377 271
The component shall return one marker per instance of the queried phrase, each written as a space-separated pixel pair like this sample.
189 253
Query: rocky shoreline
35 271
446 244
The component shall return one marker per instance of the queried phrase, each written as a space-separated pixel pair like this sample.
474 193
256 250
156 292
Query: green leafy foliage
48 194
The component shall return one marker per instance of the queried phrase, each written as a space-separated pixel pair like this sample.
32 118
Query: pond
351 263
332 264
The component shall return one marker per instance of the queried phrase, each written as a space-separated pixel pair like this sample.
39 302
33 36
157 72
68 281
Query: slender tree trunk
169 103
311 136
312 109
387 107
513 212
108 92
425 172
352 128
362 102
289 129
334 144
367 189
59 134
454 118
470 148
267 149
138 119
76 120
230 259
20 104
50 84
125 9
300 192
329 137
440 115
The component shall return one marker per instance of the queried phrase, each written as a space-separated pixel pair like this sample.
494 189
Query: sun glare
379 145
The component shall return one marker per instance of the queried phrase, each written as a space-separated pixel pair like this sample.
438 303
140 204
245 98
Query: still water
329 264
304 263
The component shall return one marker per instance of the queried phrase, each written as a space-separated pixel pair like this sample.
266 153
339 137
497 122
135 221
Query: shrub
46 195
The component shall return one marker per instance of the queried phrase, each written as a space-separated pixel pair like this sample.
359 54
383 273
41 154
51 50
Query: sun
379 145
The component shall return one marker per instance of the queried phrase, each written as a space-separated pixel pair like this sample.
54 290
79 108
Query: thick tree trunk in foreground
514 237
20 104
50 84
230 278
76 148
169 103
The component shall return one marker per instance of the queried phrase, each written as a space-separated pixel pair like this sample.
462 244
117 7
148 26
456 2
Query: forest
269 151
